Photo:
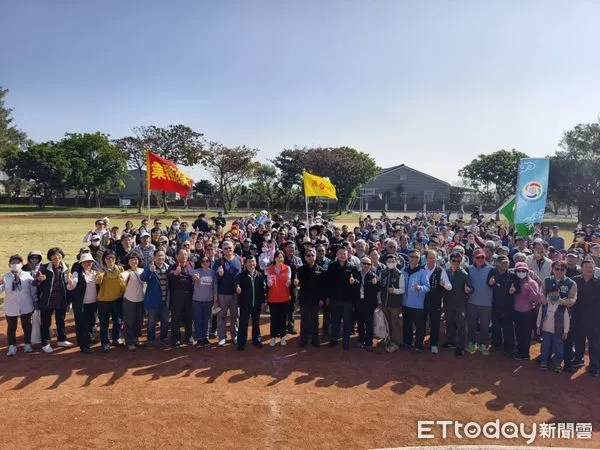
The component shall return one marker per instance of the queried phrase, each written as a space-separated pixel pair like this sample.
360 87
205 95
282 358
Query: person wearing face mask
526 292
392 290
19 299
416 287
553 325
34 259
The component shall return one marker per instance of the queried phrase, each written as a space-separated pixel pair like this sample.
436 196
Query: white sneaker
272 343
235 340
282 342
434 349
12 350
28 348
221 343
65 344
47 348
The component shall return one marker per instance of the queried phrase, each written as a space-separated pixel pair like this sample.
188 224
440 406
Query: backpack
381 329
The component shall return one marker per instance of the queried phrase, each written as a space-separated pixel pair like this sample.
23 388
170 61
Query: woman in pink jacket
526 291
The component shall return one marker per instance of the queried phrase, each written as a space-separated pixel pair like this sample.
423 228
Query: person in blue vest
567 291
416 286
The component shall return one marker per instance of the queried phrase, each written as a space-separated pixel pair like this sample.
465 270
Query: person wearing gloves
51 282
20 295
526 292
439 285
133 300
366 303
416 286
82 284
250 288
392 289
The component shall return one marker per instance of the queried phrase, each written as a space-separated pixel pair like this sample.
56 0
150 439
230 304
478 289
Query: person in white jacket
538 262
18 302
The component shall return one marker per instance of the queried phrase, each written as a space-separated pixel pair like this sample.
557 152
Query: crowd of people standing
486 287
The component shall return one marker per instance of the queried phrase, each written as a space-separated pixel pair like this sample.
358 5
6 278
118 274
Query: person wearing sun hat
20 295
82 284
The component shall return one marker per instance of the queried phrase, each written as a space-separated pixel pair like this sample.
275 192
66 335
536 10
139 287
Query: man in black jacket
586 318
182 288
503 332
366 303
252 295
311 280
343 289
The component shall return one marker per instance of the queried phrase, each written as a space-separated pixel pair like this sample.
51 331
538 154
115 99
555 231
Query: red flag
164 175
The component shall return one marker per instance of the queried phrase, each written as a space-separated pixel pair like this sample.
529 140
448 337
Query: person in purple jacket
526 291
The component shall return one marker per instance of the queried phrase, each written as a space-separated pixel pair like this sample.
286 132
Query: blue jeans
341 311
552 343
202 312
158 314
106 310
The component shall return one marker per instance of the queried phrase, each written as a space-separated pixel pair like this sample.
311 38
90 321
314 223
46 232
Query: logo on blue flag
532 192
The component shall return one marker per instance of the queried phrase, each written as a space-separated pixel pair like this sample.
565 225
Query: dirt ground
285 397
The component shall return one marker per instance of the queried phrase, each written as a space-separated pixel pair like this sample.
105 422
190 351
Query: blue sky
427 83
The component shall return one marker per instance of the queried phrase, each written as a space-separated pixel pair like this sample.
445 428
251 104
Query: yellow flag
315 186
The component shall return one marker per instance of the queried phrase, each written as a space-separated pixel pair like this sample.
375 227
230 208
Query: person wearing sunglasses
366 304
526 293
311 281
455 304
479 311
567 292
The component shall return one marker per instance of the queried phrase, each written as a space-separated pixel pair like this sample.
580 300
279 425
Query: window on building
428 196
402 177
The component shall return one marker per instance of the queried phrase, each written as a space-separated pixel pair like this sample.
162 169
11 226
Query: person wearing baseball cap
17 285
145 249
580 242
573 268
479 310
555 240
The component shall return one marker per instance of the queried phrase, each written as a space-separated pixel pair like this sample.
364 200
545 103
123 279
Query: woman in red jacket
279 280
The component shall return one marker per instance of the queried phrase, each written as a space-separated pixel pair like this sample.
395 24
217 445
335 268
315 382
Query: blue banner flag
532 192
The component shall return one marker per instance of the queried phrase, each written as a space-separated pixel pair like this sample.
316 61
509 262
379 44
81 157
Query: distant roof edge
389 169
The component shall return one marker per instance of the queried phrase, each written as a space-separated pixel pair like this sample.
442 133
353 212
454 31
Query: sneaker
191 341
292 331
557 369
65 344
434 349
543 366
360 345
176 344
222 343
577 364
471 348
282 341
199 343
28 348
12 350
459 352
519 358
418 349
448 345
47 348
164 341
484 350
272 342
212 335
131 347
235 341
106 348
332 344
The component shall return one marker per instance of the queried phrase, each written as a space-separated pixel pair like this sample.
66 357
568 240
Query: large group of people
483 285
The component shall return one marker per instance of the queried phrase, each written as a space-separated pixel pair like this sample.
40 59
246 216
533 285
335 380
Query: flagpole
148 181
306 201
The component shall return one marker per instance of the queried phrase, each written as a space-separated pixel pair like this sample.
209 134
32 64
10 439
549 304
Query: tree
231 168
11 139
264 188
177 143
574 170
493 176
455 196
290 164
45 165
135 149
97 166
205 189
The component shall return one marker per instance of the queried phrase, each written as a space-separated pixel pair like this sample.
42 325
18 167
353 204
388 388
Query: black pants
435 317
213 324
524 323
85 319
413 317
503 329
181 307
247 314
309 323
569 344
341 311
290 315
46 320
326 319
364 314
456 317
279 313
133 319
106 311
12 328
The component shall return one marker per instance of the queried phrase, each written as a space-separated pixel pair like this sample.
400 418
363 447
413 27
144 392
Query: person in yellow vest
110 304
